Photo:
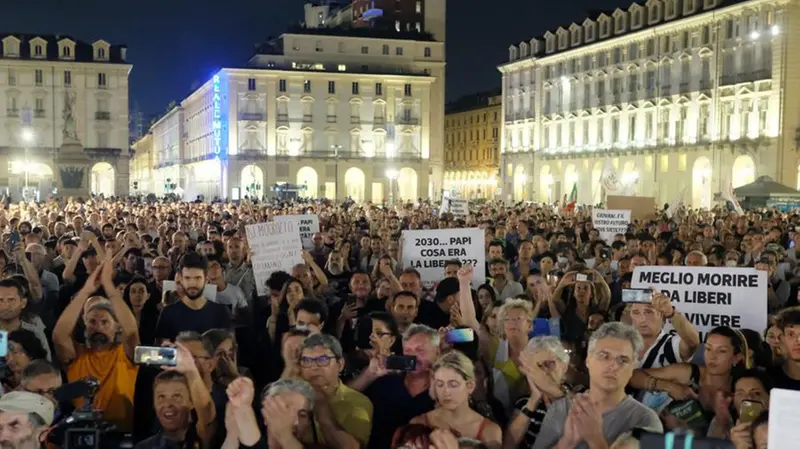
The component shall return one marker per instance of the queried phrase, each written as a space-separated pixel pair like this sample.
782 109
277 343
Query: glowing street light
775 30
755 35
27 135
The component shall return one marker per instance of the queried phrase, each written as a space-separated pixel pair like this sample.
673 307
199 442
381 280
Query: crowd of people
352 349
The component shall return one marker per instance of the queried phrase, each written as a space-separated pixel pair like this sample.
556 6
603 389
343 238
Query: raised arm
201 397
30 273
468 315
65 326
127 320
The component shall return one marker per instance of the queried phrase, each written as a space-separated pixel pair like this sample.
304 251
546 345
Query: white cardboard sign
610 223
276 246
306 224
427 251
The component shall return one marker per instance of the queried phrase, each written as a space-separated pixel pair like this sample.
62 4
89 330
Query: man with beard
175 394
12 303
193 312
111 338
23 418
504 287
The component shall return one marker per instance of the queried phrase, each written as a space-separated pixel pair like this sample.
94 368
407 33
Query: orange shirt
117 376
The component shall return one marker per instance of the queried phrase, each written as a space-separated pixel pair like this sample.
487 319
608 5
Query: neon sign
217 119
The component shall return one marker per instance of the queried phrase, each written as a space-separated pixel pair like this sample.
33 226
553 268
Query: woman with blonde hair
514 322
453 383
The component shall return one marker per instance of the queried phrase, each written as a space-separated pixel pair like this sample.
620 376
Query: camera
85 427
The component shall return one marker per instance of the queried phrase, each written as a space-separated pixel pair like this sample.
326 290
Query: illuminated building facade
472 146
318 108
678 95
39 74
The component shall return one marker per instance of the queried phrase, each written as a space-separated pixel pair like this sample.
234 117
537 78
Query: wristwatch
527 412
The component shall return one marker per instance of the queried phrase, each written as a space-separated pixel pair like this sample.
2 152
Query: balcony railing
408 121
379 120
307 118
354 119
102 115
330 119
283 117
251 116
39 113
12 112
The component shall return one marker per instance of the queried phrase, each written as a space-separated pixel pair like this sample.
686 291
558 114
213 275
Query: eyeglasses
383 334
321 361
620 360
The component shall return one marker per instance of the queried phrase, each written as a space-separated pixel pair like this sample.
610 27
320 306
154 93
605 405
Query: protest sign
427 251
610 222
276 246
710 296
306 224
456 206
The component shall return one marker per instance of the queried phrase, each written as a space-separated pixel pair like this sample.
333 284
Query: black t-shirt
178 317
394 407
430 314
782 380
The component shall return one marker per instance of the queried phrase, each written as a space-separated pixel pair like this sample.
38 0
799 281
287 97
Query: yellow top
117 376
351 410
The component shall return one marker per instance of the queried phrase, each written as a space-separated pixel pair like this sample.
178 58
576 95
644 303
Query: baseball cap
24 402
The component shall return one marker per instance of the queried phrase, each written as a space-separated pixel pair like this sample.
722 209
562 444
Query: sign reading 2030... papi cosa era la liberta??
710 296
427 251
307 225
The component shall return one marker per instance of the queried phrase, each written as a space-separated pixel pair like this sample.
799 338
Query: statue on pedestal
70 131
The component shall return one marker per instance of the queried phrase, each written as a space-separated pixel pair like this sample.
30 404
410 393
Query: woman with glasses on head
453 383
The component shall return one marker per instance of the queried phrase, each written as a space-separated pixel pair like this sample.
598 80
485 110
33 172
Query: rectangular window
281 85
354 89
12 78
101 79
419 7
427 52
331 87
67 78
407 90
39 111
365 50
385 49
379 89
398 51
39 77
251 84
307 86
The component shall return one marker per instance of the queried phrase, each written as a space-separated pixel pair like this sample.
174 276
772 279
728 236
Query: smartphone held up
155 356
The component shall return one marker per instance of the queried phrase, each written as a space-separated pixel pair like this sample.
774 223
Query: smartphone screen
581 277
636 295
3 343
401 363
459 336
155 355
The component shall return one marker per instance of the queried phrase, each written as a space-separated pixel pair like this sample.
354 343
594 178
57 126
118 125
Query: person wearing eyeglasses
603 414
342 415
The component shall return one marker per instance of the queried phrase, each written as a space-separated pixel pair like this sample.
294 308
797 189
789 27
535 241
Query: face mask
731 263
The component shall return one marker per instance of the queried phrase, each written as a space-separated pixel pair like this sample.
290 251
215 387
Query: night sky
175 45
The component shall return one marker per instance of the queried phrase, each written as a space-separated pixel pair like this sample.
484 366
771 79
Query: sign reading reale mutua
218 121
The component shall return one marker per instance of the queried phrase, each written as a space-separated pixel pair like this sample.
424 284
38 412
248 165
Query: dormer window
512 53
589 30
575 32
670 9
535 47
101 50
66 49
550 42
636 16
523 50
708 4
653 12
605 29
619 22
11 47
38 48
689 6
562 38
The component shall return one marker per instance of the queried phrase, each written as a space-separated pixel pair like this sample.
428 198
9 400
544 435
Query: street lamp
392 174
336 149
